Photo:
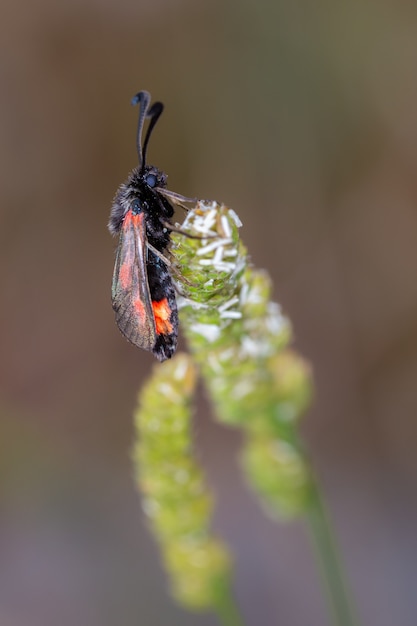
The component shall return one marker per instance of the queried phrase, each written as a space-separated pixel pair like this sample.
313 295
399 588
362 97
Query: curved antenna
154 113
143 98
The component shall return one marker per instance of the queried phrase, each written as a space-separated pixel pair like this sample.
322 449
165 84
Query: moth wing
131 298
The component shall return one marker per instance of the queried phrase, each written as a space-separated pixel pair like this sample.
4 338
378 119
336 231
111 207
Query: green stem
227 610
331 570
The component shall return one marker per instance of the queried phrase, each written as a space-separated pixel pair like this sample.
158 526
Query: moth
143 292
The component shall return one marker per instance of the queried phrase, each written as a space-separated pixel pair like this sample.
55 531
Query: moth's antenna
142 98
154 113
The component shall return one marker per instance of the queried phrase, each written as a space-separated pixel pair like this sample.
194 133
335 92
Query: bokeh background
301 116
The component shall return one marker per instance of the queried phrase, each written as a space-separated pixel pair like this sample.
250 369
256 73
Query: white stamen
210 332
168 391
226 226
243 296
183 302
228 304
235 218
224 266
232 315
218 255
254 348
205 262
212 246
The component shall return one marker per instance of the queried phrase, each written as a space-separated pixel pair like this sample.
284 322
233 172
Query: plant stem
331 570
227 611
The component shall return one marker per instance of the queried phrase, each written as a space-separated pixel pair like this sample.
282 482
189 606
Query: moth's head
153 178
143 182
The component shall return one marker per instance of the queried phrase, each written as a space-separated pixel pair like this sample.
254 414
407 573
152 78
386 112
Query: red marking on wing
130 290
162 314
125 275
131 219
139 308
126 269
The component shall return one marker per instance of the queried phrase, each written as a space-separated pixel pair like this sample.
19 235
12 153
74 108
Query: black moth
143 293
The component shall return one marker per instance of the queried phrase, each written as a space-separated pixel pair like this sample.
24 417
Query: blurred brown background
301 116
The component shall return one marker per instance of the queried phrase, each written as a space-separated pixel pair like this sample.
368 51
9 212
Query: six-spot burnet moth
143 293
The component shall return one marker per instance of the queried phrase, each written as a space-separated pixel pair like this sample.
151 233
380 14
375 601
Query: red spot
139 308
125 275
162 313
130 218
127 218
138 219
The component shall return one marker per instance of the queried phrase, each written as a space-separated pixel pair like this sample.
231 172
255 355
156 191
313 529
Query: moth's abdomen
164 307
